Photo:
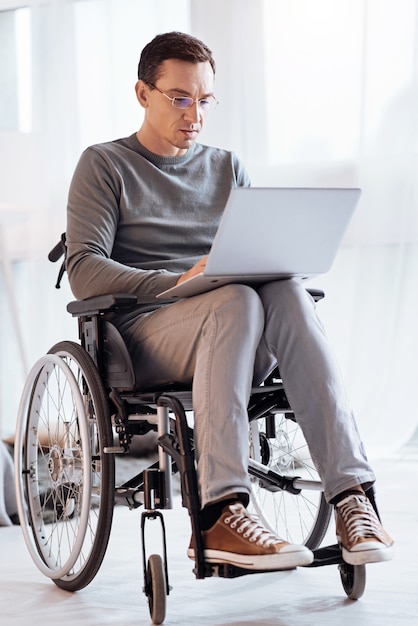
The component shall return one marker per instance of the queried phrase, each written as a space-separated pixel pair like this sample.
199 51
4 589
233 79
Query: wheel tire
298 518
353 578
65 482
156 588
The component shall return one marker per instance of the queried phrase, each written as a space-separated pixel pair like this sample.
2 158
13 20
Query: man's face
166 130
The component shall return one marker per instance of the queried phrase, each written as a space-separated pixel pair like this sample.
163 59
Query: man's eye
183 103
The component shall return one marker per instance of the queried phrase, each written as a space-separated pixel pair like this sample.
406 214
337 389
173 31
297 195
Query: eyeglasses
182 102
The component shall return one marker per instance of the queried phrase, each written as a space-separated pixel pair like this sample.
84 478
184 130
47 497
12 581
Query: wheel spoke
301 518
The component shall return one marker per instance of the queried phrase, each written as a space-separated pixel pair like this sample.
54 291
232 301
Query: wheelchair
81 406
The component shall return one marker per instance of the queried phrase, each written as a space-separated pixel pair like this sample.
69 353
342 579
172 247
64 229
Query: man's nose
193 113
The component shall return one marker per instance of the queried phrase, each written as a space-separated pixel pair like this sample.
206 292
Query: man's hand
196 269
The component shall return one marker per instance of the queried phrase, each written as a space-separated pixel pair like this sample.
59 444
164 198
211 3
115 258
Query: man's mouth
189 133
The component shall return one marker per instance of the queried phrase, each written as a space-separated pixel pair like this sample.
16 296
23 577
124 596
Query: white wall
312 93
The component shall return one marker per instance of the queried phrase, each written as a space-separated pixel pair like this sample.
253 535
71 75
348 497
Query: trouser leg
294 336
211 339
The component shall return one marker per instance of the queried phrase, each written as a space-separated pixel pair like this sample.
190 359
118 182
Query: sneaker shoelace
360 519
251 529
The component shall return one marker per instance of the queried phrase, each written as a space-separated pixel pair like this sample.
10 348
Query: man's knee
240 297
241 305
288 296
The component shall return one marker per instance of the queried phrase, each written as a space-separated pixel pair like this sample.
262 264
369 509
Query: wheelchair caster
155 588
353 578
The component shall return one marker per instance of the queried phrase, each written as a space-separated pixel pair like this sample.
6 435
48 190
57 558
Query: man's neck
167 150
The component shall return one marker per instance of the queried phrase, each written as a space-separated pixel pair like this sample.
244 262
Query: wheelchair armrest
120 301
102 304
317 294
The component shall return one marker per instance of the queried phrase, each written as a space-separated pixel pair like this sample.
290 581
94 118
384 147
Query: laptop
273 233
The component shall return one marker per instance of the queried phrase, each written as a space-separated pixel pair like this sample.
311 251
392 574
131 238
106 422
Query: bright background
312 92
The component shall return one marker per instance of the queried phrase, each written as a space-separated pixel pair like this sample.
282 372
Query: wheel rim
54 544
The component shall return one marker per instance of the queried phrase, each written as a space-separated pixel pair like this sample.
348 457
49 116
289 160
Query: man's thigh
164 344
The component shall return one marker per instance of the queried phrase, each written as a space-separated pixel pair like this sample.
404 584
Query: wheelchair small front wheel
155 588
353 578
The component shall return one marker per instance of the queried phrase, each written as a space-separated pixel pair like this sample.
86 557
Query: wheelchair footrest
329 555
227 570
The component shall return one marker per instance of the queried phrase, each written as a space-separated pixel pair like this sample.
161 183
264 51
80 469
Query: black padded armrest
101 304
120 301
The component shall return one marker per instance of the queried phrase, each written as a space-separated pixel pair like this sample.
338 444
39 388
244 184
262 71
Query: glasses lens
206 104
182 103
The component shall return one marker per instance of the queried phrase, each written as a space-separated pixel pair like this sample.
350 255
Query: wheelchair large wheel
298 518
64 480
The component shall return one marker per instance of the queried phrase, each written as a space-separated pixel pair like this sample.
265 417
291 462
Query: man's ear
141 90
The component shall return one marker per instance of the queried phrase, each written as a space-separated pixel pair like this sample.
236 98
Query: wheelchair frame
78 458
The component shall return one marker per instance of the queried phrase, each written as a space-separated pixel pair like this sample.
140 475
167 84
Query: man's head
172 45
175 87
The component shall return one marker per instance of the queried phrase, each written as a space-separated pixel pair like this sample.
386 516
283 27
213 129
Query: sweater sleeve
92 222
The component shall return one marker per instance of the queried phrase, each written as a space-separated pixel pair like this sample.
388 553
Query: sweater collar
158 159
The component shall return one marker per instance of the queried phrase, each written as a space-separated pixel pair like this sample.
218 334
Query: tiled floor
306 597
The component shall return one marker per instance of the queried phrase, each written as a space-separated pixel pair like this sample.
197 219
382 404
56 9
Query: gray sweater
136 220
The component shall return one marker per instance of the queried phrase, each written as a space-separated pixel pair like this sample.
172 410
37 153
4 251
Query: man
142 213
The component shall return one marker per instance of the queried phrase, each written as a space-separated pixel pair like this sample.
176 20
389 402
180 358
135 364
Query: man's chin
184 143
188 137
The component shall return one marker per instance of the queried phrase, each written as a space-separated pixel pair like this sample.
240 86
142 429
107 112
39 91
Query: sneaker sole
367 556
267 562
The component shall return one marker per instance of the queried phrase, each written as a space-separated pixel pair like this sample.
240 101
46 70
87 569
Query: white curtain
317 93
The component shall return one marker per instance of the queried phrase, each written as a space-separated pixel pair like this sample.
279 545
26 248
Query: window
15 71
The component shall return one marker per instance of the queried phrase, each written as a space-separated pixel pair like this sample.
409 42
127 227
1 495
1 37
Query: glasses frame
210 99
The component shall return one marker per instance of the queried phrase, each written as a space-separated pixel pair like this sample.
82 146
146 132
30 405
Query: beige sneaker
359 532
238 539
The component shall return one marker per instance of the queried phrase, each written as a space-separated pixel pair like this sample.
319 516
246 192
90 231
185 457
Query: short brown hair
172 45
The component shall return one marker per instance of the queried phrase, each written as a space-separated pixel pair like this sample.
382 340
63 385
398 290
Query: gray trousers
231 338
